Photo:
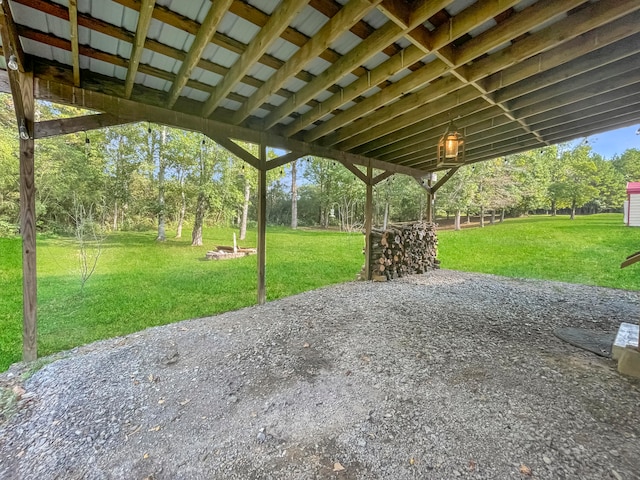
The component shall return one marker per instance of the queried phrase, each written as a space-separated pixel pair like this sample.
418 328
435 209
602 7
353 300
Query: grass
587 250
141 283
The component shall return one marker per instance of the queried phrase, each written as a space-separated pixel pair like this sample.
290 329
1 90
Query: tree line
151 177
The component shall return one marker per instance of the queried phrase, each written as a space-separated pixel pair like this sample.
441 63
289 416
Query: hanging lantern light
451 147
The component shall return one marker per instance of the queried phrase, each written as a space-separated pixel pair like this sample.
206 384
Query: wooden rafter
375 125
203 38
73 35
276 24
468 19
347 16
144 21
388 33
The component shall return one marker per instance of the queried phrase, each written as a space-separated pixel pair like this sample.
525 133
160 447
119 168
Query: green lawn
140 283
587 250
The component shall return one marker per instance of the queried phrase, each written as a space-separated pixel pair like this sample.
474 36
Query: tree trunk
245 209
115 215
457 220
468 217
493 217
482 216
502 216
161 167
294 197
196 235
553 208
573 210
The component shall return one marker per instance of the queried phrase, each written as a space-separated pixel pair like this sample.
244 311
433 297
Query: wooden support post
28 223
368 220
262 224
429 199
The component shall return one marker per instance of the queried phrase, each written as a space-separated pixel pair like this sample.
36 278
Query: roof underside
378 79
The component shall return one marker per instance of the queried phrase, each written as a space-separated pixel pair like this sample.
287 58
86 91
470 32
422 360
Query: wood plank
204 35
262 225
381 177
631 259
274 27
144 20
73 35
351 13
64 126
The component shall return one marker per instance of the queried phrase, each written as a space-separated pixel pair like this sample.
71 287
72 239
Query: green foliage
142 283
587 250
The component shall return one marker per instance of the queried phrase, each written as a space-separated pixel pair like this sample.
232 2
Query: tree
628 164
457 193
577 180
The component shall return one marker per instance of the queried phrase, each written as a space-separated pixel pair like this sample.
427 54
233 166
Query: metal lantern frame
452 138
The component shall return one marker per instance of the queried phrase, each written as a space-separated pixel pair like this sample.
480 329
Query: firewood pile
402 250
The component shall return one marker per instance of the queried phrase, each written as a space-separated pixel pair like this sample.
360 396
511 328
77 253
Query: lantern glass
451 145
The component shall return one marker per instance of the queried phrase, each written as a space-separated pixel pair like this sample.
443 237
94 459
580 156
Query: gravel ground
436 376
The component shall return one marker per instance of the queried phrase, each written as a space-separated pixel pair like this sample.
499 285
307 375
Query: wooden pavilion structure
369 83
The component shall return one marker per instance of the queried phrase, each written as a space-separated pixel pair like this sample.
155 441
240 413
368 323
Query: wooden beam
351 13
383 36
381 176
274 27
11 42
443 180
73 35
262 225
368 222
592 61
522 22
283 160
357 172
205 33
131 110
447 101
395 64
28 223
236 149
591 17
590 41
64 126
144 20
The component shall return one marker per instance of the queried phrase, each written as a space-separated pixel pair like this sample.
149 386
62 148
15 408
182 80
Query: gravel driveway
438 376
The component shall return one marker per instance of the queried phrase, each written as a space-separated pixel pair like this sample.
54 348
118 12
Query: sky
615 142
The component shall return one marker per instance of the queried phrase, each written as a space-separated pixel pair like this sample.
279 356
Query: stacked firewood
403 250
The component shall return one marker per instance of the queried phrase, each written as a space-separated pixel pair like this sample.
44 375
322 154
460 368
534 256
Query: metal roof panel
345 42
457 6
309 21
24 15
282 49
348 79
317 66
237 28
266 6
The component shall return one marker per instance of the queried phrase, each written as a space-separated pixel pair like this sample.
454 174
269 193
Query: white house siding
634 210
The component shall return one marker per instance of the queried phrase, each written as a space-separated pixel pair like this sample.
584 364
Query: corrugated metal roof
266 6
240 31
